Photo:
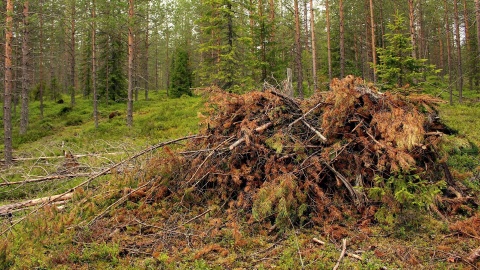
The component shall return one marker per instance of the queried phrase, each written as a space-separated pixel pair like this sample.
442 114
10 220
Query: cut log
5 209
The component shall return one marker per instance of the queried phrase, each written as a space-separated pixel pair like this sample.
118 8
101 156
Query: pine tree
397 67
181 74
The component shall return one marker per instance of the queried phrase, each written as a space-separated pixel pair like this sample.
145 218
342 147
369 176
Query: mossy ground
61 239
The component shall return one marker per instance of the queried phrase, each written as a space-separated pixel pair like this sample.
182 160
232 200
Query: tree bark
449 52
7 112
477 17
25 70
329 49
41 72
342 41
298 52
314 47
147 45
411 16
374 50
130 64
94 65
467 40
459 51
72 53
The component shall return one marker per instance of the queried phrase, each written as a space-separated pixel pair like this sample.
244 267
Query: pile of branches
285 160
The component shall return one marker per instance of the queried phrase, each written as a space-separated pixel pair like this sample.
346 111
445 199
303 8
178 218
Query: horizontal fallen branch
5 209
46 178
106 171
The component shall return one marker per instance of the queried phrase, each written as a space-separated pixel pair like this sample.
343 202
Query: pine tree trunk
41 72
449 51
342 41
329 48
130 64
459 51
411 16
25 70
147 45
467 40
72 54
374 50
94 66
477 17
7 113
298 52
314 47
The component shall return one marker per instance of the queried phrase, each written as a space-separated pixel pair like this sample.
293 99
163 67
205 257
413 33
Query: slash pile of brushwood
265 152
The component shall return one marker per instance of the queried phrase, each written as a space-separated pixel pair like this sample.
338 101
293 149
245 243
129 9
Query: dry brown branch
119 201
106 171
263 127
47 178
320 135
356 195
474 255
303 116
342 254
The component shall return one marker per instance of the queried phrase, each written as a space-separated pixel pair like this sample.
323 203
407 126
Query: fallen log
5 209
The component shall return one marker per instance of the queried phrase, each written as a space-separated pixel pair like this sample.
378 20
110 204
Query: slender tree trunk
441 62
374 50
477 17
156 61
411 16
72 48
342 41
147 45
449 51
167 47
130 64
467 41
329 48
94 65
25 70
41 72
7 110
314 47
271 5
298 51
459 51
262 40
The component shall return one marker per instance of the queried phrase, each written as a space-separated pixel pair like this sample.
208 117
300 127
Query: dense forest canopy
114 51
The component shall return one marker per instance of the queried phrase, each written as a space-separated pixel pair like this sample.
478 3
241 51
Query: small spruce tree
397 68
181 74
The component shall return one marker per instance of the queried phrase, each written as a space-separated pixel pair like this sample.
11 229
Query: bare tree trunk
298 51
329 49
477 17
411 16
449 51
467 40
147 45
72 52
7 110
94 65
130 64
342 41
25 71
374 50
459 51
262 40
272 19
314 47
41 72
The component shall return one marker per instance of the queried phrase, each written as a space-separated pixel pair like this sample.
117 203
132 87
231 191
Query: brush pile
285 160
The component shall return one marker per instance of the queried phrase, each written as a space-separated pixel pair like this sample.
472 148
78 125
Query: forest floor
120 219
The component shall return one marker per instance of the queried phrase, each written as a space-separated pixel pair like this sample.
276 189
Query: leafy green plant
401 193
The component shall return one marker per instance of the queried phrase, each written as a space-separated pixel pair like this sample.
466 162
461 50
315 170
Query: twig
121 200
195 217
237 143
342 254
358 198
46 178
89 180
263 127
323 138
303 116
316 240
